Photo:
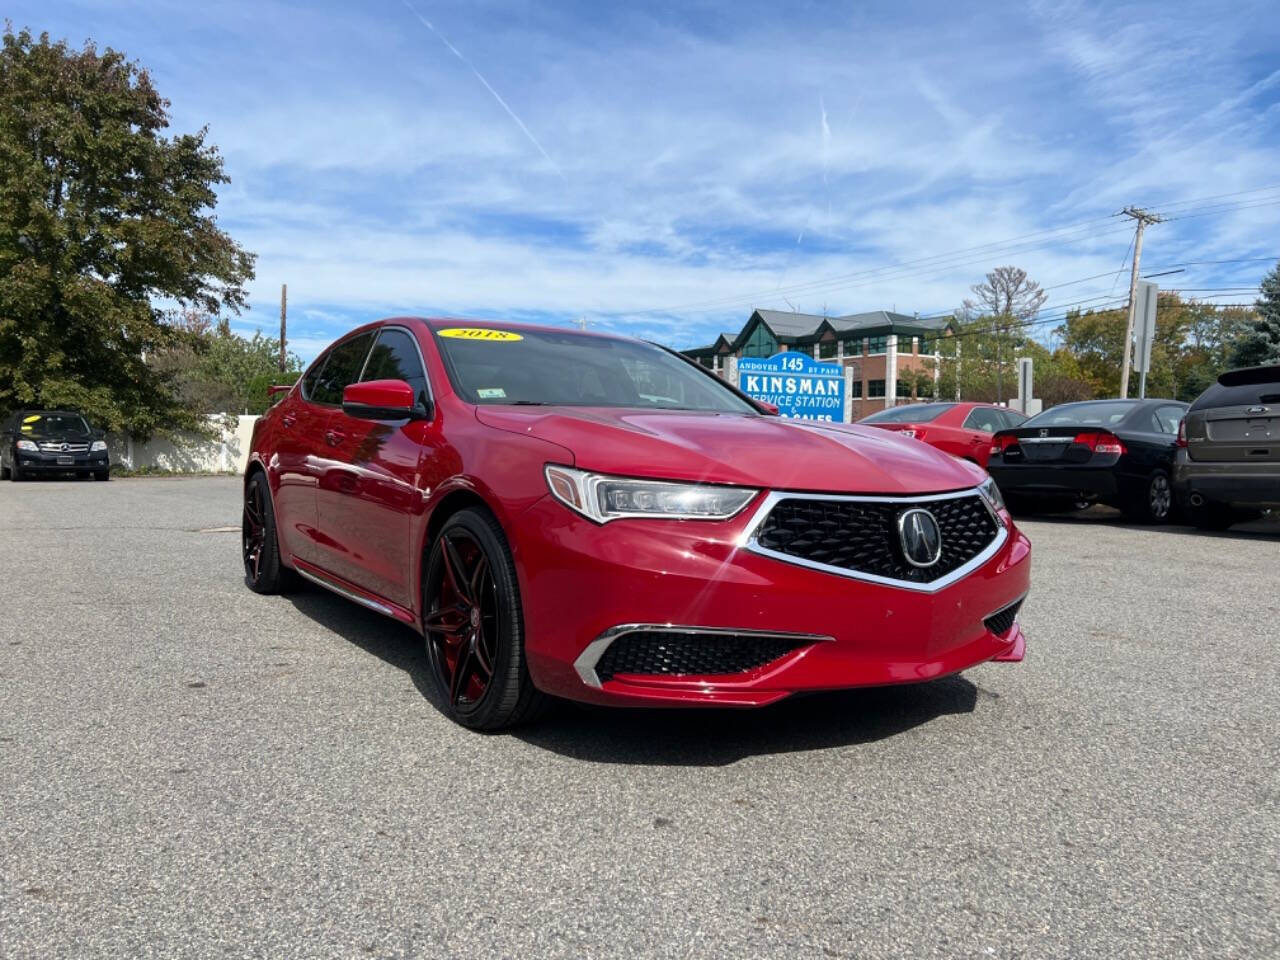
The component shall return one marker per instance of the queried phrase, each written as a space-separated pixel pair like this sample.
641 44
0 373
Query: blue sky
662 168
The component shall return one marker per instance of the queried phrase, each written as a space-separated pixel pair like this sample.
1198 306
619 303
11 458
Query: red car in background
593 517
961 429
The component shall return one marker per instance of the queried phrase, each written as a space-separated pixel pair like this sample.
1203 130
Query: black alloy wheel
474 627
260 549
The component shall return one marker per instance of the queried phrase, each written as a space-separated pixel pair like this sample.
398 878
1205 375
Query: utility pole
958 369
284 303
1143 217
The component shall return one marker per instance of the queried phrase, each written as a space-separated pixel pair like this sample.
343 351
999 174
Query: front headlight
991 493
98 446
28 445
603 498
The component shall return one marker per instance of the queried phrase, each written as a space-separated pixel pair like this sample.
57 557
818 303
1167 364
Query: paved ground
190 770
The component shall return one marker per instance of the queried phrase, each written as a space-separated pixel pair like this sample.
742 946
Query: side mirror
382 400
768 409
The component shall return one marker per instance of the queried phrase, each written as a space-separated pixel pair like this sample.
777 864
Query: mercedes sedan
569 514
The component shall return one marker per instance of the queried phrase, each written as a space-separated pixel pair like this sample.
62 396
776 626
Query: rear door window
342 369
1168 418
986 419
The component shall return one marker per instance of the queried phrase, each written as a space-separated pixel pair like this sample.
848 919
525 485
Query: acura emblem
920 536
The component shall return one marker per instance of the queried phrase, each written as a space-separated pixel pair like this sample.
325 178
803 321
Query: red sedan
592 517
963 430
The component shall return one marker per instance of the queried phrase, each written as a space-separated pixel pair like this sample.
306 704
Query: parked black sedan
1117 452
51 441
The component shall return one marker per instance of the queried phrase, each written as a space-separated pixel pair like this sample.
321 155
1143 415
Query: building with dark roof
878 346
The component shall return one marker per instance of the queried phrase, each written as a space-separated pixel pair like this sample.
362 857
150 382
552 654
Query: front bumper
582 582
1234 483
29 462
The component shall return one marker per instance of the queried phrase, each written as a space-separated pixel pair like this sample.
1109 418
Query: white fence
226 453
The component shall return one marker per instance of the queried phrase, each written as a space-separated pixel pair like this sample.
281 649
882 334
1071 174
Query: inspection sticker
480 333
491 393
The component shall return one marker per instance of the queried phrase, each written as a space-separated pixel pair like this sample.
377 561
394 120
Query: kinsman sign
799 386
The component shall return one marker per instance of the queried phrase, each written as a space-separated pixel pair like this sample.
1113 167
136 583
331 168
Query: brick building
878 346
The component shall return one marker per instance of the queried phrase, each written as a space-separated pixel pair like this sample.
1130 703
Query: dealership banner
799 386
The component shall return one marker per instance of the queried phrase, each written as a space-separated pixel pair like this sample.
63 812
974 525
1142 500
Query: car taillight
912 432
1100 442
1001 444
1182 433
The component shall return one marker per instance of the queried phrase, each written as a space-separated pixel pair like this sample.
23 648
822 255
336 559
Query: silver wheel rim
1160 496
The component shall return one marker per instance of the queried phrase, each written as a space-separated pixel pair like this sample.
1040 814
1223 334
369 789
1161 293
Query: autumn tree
105 224
1006 300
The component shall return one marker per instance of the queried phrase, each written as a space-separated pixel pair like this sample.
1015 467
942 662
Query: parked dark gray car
1227 467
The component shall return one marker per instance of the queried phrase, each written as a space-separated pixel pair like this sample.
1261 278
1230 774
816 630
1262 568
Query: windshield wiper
527 403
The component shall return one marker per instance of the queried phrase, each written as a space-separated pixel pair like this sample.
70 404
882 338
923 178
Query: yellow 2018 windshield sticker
31 419
480 333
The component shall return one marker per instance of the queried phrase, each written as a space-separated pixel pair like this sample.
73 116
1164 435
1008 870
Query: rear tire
260 547
1154 503
1218 516
474 626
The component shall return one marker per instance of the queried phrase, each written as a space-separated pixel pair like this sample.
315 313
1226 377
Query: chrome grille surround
751 538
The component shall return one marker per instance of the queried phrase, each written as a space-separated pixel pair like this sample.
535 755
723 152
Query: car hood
57 436
740 449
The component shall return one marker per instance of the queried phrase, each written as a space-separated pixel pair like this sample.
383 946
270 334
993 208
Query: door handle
288 420
334 437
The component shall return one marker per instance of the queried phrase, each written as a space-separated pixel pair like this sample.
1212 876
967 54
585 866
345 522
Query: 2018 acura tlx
593 517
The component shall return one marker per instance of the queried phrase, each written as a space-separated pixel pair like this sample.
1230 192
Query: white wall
227 453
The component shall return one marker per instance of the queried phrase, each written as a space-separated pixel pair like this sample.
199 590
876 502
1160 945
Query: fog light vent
1001 622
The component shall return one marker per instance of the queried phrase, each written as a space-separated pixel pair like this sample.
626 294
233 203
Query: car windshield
579 370
1102 414
52 423
911 413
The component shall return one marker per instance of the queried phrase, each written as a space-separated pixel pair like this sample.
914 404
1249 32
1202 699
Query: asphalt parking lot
188 769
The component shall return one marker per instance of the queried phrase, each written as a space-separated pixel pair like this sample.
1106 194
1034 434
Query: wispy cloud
691 167
488 86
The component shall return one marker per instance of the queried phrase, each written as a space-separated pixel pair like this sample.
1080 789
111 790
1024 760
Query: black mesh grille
691 653
863 536
1001 622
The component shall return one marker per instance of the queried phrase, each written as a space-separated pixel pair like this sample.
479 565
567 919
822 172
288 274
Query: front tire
260 547
1154 503
474 625
103 475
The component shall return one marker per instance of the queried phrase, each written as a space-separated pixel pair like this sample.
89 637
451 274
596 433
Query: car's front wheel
474 627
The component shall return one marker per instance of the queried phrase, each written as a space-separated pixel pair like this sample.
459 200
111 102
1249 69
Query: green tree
1096 340
214 370
1260 343
102 220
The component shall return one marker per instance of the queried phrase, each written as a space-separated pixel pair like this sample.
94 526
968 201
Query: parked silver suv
1227 467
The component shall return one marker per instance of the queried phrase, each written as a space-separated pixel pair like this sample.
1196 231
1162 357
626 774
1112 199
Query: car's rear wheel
1218 516
474 626
1154 503
260 548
